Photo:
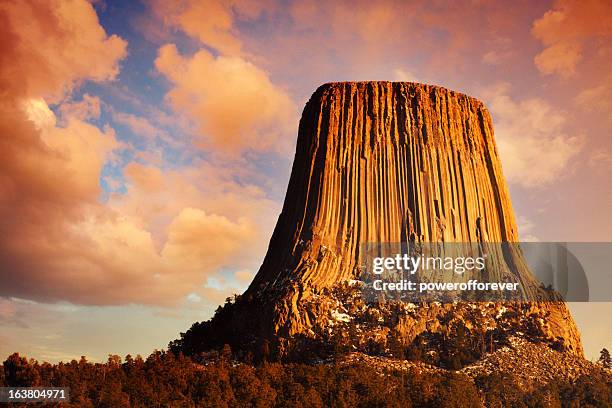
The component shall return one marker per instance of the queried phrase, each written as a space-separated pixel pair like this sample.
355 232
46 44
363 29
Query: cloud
566 29
87 108
559 58
244 276
526 229
42 161
212 22
400 74
58 240
7 309
49 169
233 102
496 57
48 176
118 261
201 241
530 135
600 160
596 98
156 196
165 236
48 46
141 126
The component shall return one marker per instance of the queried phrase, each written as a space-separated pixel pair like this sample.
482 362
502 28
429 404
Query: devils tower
382 162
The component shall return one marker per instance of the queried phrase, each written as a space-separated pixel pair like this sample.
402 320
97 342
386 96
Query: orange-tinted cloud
56 233
48 46
89 107
141 126
58 241
567 29
596 98
212 22
233 102
209 21
244 275
155 197
202 242
373 38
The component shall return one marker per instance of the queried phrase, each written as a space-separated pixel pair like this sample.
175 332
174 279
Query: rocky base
338 321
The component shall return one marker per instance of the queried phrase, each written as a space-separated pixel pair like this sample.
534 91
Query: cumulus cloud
534 146
212 22
234 103
48 174
153 245
564 31
118 261
48 46
58 241
156 196
200 241
147 246
559 58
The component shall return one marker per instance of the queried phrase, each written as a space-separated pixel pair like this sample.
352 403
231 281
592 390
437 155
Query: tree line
164 379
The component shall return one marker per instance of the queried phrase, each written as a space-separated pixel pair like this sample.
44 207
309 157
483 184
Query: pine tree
604 358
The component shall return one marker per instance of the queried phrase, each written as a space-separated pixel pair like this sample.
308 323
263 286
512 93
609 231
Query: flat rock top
394 84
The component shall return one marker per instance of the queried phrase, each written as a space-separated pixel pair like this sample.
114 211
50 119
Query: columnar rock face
382 162
385 162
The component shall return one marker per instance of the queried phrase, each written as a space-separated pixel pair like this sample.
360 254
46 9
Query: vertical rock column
385 162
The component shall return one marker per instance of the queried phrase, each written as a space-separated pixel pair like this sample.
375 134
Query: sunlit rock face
383 162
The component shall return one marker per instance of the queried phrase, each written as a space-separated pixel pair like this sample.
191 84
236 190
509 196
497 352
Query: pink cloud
534 147
565 31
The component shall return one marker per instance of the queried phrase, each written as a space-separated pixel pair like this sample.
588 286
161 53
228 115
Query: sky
145 146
